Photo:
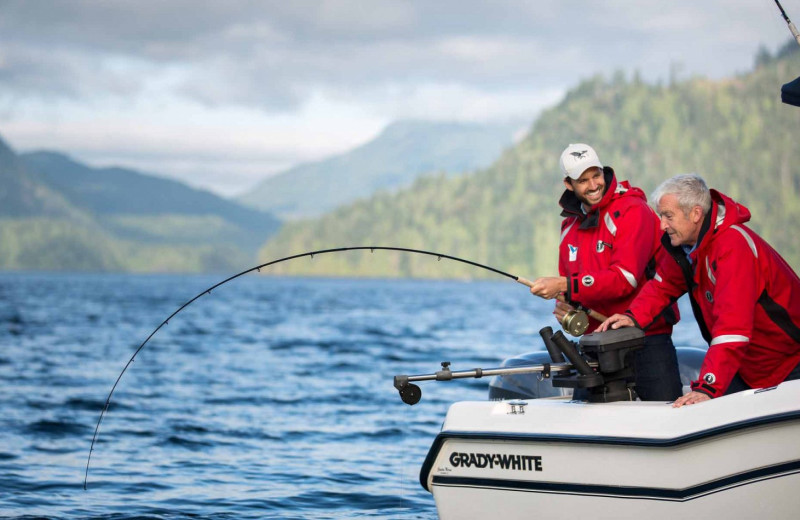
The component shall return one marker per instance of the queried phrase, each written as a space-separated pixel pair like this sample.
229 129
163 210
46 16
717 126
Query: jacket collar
571 206
725 212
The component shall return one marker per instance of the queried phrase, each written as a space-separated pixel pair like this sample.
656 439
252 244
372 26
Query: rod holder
555 354
569 350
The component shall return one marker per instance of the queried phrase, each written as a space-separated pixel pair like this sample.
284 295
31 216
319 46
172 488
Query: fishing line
311 254
258 268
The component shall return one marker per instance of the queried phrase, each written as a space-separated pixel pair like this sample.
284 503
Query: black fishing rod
792 27
790 92
519 279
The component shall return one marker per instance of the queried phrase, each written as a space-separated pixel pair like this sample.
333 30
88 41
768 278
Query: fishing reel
575 322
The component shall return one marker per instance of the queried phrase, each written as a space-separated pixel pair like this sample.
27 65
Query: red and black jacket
609 253
745 297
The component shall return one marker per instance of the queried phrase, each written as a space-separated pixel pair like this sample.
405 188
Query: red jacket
745 297
608 253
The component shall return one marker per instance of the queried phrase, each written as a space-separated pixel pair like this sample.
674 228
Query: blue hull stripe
588 439
626 492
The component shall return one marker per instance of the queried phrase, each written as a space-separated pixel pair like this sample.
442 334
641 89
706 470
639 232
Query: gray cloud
276 54
220 94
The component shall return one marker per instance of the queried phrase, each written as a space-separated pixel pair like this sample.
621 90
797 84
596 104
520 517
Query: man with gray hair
744 295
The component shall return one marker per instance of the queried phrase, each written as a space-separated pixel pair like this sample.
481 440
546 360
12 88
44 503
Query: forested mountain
22 196
58 214
736 133
127 200
401 153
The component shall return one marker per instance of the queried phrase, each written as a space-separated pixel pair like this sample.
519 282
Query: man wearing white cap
610 246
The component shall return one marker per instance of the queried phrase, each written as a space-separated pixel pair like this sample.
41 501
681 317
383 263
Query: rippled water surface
268 398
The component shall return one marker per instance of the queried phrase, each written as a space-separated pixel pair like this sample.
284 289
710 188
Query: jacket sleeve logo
710 378
587 280
573 252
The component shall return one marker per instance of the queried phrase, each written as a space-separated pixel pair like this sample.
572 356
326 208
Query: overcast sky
221 94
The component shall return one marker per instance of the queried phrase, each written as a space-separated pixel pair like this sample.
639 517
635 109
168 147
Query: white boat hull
732 457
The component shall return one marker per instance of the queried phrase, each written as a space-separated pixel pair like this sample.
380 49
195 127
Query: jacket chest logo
601 246
573 252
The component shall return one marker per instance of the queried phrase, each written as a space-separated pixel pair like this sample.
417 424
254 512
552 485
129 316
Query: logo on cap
577 158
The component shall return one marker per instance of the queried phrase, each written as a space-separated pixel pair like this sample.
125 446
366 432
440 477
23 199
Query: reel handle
592 314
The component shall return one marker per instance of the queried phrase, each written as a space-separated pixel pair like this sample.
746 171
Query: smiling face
589 187
683 229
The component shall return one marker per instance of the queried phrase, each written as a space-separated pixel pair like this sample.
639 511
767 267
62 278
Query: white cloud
458 102
224 150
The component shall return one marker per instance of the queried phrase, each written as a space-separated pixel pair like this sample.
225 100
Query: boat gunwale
668 442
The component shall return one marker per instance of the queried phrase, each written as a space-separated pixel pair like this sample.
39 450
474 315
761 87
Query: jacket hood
725 212
733 212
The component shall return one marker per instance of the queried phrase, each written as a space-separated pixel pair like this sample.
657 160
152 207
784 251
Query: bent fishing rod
575 321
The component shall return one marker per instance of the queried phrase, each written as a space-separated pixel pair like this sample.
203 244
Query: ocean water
268 398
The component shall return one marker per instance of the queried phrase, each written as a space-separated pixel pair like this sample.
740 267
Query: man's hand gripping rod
575 322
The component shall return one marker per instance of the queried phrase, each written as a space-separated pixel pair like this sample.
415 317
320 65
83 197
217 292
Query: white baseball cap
578 158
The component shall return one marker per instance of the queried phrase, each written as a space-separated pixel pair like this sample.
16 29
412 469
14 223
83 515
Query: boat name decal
502 461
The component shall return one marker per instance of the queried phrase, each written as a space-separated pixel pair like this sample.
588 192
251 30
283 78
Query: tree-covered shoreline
736 133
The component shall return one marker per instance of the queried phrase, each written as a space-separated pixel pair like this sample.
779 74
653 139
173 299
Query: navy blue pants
738 384
657 374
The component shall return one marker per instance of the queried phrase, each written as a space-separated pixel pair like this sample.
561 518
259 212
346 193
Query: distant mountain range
457 189
735 132
394 159
21 195
59 214
120 196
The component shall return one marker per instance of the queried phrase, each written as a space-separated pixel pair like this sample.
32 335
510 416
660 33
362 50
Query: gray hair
690 189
